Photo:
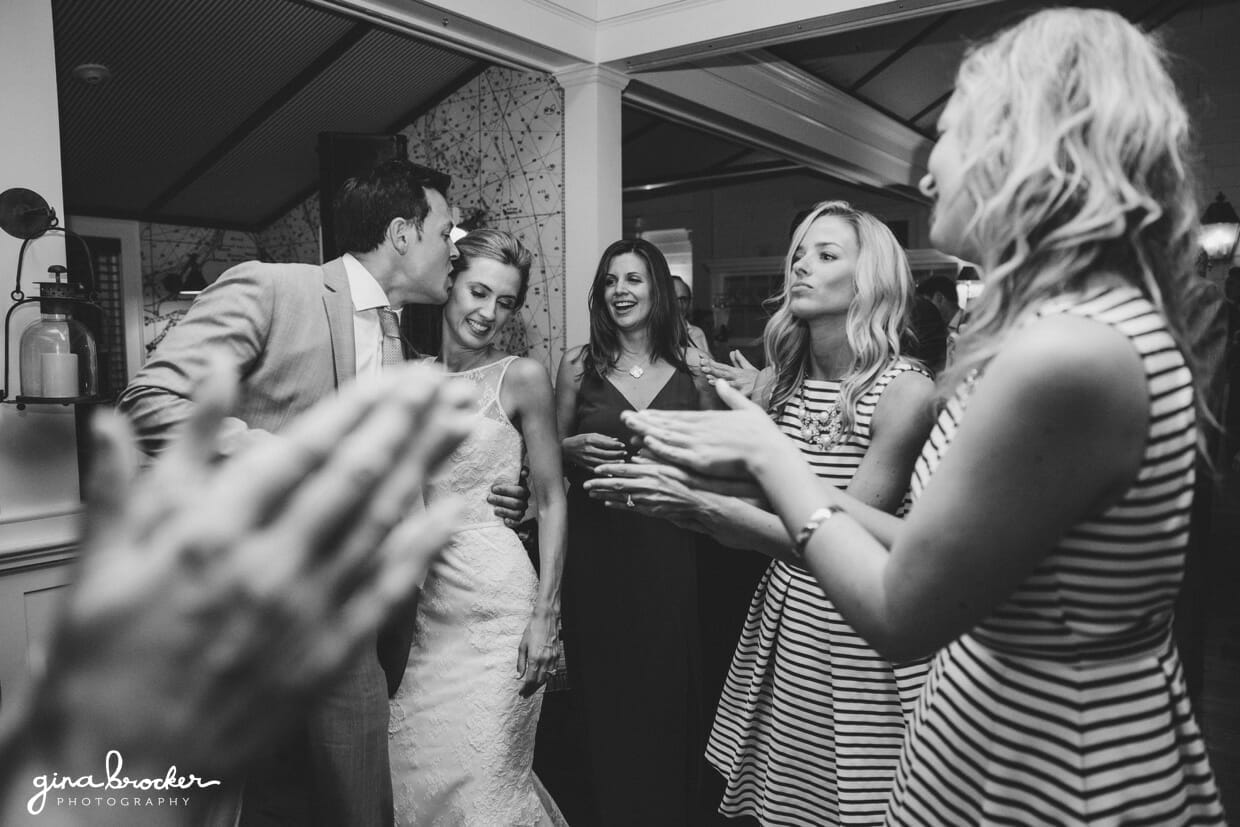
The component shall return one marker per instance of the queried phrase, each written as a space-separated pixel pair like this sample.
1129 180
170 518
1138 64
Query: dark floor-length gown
632 636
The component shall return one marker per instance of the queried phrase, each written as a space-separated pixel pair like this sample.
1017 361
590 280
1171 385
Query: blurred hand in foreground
213 601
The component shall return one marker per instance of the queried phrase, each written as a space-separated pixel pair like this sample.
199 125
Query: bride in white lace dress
464 718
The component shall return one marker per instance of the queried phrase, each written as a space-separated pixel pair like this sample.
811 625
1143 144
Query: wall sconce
58 355
192 280
193 277
1220 230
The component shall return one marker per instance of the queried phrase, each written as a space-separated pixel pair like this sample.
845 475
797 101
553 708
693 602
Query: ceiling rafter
1156 15
640 132
286 93
930 107
1168 10
445 91
903 49
727 162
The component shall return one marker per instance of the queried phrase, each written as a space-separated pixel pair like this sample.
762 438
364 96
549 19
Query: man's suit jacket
287 329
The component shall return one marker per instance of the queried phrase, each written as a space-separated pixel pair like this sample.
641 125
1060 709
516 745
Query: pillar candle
60 375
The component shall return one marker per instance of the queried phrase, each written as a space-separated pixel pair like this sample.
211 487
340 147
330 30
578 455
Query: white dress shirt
368 297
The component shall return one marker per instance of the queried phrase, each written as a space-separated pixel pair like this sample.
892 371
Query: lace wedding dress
461 738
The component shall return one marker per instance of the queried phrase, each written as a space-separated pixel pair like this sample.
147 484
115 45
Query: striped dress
811 719
1067 705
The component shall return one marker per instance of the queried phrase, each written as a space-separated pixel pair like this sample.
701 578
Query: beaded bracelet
811 525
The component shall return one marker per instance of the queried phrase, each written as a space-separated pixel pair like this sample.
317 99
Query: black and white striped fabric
1068 705
811 719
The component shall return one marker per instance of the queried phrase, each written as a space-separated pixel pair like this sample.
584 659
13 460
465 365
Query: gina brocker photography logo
114 789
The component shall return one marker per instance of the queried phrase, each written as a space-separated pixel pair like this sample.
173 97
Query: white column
592 190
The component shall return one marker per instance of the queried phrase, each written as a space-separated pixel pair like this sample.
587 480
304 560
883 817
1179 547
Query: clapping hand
649 487
214 600
741 374
711 443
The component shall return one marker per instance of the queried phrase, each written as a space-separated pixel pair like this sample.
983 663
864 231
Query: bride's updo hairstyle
496 245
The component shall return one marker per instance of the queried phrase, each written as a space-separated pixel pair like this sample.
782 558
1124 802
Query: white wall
38 452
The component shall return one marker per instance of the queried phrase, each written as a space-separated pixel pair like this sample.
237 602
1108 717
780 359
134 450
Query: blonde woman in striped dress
1045 546
811 718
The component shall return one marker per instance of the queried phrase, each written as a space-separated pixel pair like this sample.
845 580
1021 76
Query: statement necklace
825 429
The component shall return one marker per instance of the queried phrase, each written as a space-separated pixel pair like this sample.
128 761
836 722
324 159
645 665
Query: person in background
1231 361
941 291
463 720
1045 545
684 300
926 339
809 727
295 333
1205 324
630 590
215 601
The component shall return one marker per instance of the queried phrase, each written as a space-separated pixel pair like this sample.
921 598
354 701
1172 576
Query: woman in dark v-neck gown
630 583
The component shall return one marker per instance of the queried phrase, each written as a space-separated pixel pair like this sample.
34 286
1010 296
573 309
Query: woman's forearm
552 541
738 524
881 525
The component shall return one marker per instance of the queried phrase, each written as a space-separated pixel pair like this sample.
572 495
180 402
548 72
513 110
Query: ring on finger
629 502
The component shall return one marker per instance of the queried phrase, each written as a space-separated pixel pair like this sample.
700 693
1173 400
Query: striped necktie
393 349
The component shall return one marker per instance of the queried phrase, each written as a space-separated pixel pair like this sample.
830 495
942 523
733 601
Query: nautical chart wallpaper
500 137
169 253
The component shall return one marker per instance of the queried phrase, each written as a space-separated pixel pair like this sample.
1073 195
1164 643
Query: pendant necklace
825 429
637 371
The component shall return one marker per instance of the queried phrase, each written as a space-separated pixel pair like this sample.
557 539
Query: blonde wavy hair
877 318
1074 148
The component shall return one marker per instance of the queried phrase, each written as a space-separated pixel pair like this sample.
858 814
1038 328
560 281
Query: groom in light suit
295 333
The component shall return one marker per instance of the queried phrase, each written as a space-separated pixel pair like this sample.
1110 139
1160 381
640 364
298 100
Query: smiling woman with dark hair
630 598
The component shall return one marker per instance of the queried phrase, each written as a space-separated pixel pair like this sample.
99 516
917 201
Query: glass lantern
59 359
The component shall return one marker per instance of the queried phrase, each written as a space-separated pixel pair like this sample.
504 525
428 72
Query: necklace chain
825 429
